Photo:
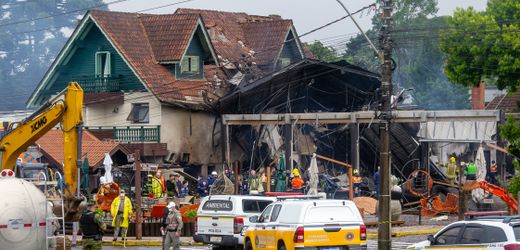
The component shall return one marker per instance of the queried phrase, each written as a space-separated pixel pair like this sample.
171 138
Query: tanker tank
22 215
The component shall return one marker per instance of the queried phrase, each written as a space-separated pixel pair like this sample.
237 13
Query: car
221 218
303 222
481 232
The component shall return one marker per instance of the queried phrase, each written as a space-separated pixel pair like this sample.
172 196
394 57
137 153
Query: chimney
478 96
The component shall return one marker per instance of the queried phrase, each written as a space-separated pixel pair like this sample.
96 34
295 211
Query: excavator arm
501 193
66 109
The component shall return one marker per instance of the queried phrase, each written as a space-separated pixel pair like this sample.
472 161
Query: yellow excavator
64 109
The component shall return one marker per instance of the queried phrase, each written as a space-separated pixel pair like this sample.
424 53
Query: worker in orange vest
493 173
297 182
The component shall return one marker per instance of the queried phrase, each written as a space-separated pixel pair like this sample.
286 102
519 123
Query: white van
221 218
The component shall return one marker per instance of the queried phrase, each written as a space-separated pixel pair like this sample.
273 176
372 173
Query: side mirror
431 239
253 219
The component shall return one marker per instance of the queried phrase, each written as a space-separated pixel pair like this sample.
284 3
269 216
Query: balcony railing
129 133
100 84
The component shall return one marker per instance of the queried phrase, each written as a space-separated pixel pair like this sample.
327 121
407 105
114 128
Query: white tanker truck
23 219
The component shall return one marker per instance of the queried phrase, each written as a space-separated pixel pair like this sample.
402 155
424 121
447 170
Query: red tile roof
235 34
144 40
128 33
508 103
169 35
52 145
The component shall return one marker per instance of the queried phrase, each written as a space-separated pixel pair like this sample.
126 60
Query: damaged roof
148 41
306 86
167 36
237 35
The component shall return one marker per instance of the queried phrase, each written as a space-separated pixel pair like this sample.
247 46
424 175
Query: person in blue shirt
184 190
202 187
376 181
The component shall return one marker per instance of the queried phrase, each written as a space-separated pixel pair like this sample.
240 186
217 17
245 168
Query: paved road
399 243
144 248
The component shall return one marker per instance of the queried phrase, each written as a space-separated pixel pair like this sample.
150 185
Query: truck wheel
281 246
248 245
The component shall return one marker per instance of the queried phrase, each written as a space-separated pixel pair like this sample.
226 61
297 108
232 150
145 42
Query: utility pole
138 200
384 241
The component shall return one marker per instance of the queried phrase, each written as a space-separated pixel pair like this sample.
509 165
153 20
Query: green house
151 80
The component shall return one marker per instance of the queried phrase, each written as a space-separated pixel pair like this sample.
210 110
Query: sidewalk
188 241
407 230
145 241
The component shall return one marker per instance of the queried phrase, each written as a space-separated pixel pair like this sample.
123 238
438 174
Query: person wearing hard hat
356 182
212 178
154 187
120 209
172 227
92 227
451 170
297 182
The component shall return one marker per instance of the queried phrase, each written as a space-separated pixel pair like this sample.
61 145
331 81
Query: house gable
77 62
290 52
199 52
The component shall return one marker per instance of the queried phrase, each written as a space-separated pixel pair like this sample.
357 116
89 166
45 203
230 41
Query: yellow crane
65 109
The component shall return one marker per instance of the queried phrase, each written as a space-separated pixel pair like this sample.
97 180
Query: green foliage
28 48
419 61
510 131
322 53
484 44
513 186
191 214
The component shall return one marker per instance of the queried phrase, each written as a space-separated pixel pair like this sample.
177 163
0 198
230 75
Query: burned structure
311 86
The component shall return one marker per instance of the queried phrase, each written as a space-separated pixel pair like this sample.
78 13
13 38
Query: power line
60 14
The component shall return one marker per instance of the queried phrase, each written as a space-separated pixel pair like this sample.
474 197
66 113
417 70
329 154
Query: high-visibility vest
493 168
471 168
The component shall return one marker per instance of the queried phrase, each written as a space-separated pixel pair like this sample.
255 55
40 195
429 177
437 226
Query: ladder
49 220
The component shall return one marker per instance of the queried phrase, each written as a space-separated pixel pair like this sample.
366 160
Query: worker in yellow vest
451 170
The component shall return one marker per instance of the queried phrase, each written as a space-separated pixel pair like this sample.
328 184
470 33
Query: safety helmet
355 171
452 159
214 173
296 172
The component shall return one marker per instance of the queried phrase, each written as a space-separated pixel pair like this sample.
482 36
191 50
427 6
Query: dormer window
103 64
190 64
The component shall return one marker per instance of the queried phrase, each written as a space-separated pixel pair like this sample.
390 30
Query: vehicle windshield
330 214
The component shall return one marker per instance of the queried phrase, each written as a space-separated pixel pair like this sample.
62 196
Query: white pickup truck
221 218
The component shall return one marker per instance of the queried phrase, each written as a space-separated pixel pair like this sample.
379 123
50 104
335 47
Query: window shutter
194 63
185 64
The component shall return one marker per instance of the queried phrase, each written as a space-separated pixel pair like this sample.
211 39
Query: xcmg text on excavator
64 109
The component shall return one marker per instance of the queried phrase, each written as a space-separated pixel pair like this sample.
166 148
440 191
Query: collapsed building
314 87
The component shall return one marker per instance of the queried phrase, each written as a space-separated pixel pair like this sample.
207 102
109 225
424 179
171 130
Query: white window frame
190 64
284 62
132 116
107 71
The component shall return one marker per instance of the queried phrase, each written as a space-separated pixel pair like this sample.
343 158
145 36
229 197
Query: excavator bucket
74 207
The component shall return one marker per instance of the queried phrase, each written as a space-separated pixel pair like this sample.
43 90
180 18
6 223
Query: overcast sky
306 14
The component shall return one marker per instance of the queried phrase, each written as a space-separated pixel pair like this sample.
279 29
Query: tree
32 34
322 53
484 44
419 62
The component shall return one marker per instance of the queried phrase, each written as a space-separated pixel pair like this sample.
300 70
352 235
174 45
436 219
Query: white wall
175 131
112 114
